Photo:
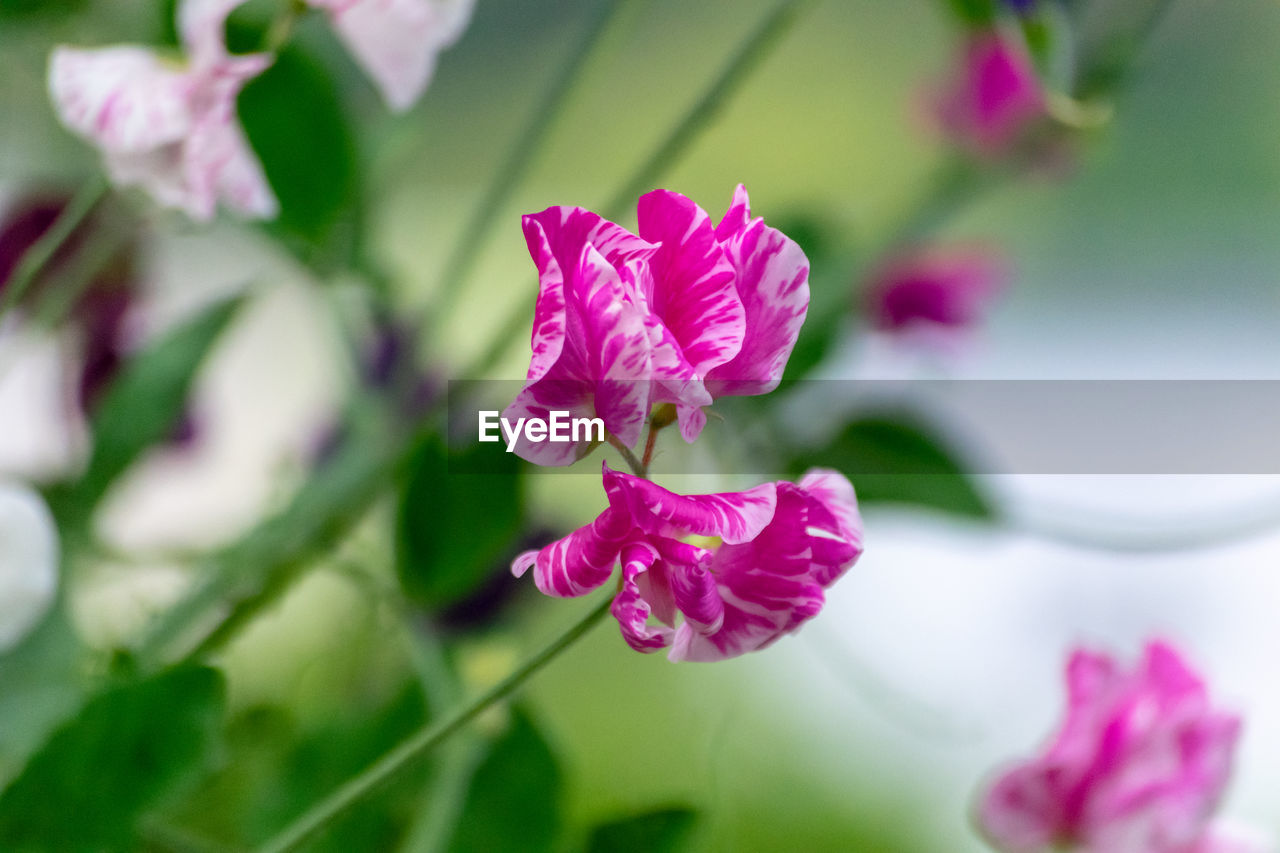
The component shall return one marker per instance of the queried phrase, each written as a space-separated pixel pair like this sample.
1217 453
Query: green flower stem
466 251
637 467
330 809
37 258
758 46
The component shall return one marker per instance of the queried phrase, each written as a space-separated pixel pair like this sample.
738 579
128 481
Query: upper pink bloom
938 286
743 568
995 97
684 312
396 41
169 128
1138 766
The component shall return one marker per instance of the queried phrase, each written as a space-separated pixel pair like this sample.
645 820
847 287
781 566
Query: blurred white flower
170 128
396 41
28 562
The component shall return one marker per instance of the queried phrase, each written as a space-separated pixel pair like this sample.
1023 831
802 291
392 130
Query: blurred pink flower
1139 766
995 97
743 568
937 286
684 312
169 128
396 41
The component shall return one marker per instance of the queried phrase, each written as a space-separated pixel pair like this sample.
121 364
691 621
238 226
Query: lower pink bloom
1139 766
743 568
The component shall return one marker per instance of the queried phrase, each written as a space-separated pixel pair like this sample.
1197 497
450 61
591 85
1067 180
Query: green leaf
144 403
661 831
974 12
42 683
893 459
513 805
84 790
294 120
274 767
39 8
454 525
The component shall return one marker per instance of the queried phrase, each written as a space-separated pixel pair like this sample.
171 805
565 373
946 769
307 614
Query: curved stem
466 251
328 810
759 45
36 258
637 467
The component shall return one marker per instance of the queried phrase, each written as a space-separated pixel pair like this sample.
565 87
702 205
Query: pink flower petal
732 516
581 561
1140 763
632 609
591 350
693 283
124 99
773 283
172 131
396 41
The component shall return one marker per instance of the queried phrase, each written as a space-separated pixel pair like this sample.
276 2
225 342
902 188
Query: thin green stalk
327 811
37 258
466 251
758 46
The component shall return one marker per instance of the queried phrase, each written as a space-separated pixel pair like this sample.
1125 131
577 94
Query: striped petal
123 99
581 561
693 283
632 608
732 516
773 283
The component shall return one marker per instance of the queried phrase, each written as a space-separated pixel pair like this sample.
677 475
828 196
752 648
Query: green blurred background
1155 255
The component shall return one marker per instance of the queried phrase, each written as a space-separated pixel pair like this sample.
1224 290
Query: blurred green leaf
10 9
42 683
661 831
513 805
895 460
294 120
454 526
86 787
143 404
974 12
276 767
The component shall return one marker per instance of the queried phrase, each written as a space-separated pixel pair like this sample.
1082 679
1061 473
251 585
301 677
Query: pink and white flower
743 568
944 287
682 313
169 128
996 96
396 41
1139 766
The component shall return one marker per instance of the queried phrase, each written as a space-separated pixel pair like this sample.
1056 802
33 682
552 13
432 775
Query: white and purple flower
169 127
396 41
742 568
